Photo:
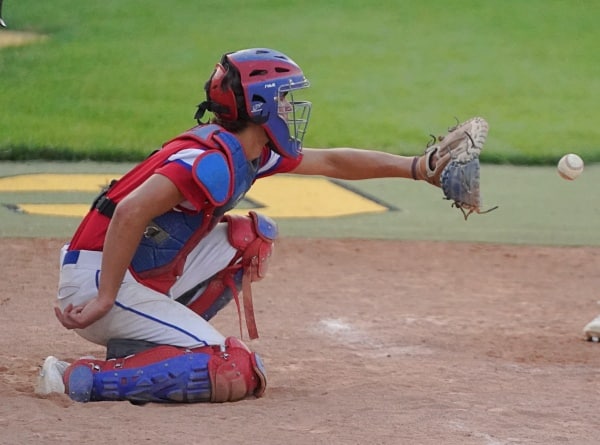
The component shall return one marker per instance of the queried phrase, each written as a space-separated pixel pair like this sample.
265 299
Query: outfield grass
117 78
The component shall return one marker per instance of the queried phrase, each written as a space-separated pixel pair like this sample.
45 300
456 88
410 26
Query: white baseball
570 166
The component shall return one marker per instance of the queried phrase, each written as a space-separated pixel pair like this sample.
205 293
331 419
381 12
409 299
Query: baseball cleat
50 378
592 330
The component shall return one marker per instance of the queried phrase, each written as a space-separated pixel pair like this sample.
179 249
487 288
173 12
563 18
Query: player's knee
237 373
253 237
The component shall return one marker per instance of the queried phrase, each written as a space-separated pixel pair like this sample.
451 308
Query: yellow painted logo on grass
283 196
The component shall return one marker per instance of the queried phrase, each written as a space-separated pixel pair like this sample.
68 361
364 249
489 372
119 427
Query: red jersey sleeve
272 163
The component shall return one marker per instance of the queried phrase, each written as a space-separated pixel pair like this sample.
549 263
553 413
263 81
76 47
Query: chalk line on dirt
361 342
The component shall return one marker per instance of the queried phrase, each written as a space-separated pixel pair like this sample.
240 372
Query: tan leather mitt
451 162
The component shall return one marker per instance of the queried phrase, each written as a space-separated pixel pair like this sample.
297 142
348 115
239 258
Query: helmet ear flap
258 105
221 98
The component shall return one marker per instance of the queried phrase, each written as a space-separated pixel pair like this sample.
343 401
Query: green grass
536 206
117 78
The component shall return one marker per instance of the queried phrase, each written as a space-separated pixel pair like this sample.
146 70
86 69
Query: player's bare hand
79 317
70 318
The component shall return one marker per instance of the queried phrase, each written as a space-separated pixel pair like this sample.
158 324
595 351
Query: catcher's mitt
452 163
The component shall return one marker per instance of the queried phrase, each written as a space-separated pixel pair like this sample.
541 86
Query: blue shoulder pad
212 173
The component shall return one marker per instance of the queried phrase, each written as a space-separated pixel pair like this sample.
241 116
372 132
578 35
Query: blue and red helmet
266 97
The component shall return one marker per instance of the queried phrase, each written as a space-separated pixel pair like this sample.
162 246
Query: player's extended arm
450 161
353 163
131 217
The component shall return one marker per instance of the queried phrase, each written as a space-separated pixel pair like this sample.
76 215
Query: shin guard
171 374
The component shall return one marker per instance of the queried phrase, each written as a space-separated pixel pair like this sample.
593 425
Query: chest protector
224 175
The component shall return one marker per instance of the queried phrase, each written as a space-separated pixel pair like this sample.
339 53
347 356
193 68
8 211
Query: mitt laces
436 139
467 209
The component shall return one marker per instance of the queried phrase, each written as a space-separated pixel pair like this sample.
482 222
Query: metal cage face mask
295 113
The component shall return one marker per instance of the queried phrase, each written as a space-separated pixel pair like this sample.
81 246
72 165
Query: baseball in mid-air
570 166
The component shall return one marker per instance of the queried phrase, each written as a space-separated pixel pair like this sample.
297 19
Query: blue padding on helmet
178 379
266 227
212 173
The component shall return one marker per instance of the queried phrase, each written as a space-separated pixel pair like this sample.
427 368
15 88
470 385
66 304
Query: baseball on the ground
570 166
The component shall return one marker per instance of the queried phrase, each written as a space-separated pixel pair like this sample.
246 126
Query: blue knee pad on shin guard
178 379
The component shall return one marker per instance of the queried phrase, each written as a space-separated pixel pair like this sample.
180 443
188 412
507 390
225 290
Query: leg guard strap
253 237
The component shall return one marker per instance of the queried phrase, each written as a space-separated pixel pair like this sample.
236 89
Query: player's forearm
132 215
352 163
122 238
365 164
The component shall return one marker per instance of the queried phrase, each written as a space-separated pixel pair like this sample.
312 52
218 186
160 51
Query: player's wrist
103 304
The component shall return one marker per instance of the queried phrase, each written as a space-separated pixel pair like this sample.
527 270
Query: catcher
158 255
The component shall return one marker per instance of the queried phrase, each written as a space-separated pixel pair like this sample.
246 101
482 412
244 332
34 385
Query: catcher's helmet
268 80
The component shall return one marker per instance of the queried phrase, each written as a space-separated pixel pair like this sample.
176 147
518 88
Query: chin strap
211 106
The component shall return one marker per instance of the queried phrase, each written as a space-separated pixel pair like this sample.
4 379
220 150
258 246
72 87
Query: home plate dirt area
378 342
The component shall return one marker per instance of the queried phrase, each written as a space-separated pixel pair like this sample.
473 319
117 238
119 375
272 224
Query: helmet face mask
268 80
295 114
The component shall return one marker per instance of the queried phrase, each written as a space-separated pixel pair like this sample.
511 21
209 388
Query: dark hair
232 80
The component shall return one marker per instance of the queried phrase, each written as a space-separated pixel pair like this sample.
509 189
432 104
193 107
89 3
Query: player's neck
253 139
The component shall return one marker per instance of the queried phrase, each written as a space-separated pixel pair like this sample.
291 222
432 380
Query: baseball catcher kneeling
159 253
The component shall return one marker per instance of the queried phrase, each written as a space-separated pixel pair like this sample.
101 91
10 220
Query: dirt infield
18 38
365 342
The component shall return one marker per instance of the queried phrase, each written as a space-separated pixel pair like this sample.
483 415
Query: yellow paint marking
283 196
292 196
74 210
56 182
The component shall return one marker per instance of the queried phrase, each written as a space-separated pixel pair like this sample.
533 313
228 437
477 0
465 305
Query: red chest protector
167 241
